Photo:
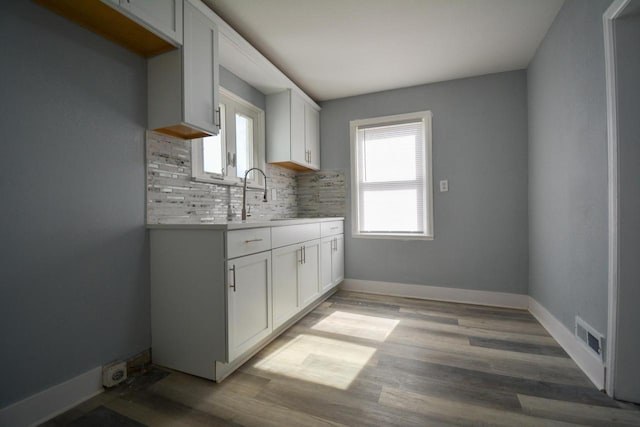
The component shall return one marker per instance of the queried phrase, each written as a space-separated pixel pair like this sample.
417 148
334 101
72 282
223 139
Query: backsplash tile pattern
173 198
321 194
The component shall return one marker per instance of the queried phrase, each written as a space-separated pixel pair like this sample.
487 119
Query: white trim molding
590 365
53 401
439 293
615 10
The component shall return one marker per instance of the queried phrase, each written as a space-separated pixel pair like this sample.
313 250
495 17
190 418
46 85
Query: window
391 177
238 147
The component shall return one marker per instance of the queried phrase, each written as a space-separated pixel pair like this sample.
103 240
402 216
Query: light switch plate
274 194
444 185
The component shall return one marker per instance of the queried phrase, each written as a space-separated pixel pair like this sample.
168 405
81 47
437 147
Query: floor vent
590 338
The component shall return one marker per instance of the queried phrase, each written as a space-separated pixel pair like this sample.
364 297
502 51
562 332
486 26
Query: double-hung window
238 147
391 177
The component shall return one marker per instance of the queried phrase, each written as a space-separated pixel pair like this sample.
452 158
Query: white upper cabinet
183 84
200 69
161 16
297 116
312 135
293 131
146 27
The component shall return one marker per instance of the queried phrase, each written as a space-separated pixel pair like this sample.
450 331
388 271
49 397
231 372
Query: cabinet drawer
245 242
291 234
332 227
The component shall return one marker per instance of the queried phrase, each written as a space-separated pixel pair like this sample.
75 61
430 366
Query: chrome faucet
244 191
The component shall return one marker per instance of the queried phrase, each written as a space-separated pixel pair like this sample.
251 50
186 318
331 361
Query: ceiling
337 48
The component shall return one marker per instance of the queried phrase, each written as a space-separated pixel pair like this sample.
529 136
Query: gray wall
627 374
74 253
568 167
244 90
480 146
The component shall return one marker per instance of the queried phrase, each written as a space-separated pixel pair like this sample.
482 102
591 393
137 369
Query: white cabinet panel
298 149
290 234
331 228
285 283
161 16
248 302
246 242
332 262
326 252
312 135
337 261
309 272
200 70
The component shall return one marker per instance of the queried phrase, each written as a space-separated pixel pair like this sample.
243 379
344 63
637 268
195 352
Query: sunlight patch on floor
357 325
320 360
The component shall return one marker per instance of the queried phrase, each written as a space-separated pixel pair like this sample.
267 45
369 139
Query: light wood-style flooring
368 360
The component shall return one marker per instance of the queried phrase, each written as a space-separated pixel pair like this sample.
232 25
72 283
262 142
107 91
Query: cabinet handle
333 228
253 240
301 255
304 254
233 269
334 244
218 115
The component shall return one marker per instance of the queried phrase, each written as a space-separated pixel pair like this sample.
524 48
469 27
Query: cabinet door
298 149
326 270
285 283
248 302
200 78
337 260
312 135
309 272
162 16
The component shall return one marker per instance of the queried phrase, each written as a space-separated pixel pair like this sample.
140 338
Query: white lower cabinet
248 302
285 283
219 295
332 257
296 279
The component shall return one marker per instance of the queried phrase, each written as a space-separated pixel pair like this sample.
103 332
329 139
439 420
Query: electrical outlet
114 373
444 185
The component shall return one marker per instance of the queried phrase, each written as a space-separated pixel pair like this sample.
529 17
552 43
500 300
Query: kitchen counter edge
238 225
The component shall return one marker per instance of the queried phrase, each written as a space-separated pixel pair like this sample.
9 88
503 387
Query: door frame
614 11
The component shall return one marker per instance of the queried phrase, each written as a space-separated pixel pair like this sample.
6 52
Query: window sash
421 225
232 106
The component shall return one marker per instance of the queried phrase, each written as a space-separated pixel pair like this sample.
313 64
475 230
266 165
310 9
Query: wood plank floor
368 360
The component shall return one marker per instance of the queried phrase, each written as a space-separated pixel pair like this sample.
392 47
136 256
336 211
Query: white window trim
197 172
426 117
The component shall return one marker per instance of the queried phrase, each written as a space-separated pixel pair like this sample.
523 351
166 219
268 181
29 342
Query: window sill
387 236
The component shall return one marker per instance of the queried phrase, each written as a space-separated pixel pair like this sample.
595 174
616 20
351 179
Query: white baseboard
590 365
469 296
53 401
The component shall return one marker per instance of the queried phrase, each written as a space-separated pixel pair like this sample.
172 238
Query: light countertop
239 225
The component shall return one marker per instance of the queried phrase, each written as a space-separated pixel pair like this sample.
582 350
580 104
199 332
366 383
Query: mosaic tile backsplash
174 198
321 194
